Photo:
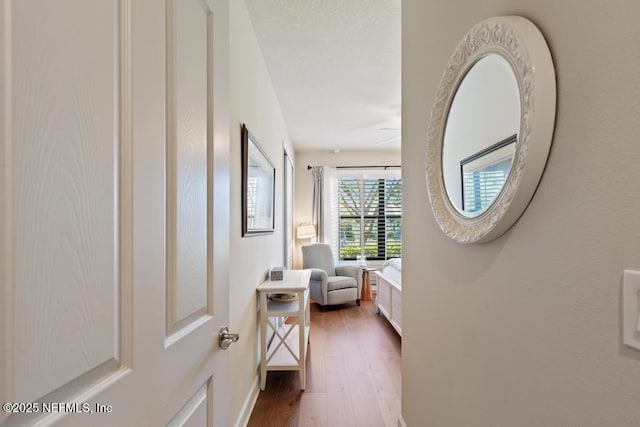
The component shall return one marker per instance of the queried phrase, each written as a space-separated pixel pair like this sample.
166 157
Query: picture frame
258 188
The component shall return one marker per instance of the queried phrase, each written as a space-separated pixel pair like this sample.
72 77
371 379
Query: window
484 174
481 187
370 217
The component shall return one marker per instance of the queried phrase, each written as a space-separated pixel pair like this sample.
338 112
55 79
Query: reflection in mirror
481 135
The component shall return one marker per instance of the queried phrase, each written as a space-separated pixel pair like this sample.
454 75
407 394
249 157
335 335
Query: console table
287 350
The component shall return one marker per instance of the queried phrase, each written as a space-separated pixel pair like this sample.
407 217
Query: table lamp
305 231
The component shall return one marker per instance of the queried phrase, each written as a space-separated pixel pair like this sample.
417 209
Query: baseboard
249 403
401 422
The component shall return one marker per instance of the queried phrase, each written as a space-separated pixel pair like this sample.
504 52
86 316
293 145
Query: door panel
114 210
62 242
188 142
196 411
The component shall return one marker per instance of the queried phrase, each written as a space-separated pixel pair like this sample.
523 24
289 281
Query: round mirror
480 135
490 129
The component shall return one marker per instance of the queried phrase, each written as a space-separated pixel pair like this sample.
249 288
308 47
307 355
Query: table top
292 281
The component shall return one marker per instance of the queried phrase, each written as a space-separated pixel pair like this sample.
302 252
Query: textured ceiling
335 66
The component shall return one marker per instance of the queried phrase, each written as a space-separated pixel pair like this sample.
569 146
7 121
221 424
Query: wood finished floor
353 375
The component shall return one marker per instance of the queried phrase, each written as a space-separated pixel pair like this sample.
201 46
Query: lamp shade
305 231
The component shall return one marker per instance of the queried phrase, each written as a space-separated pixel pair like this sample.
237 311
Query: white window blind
370 216
481 187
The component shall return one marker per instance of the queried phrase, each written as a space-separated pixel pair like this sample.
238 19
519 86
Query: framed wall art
258 187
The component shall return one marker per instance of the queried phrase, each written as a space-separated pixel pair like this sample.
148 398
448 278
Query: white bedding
392 269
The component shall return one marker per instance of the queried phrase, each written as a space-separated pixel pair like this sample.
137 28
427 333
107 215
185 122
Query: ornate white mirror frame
522 45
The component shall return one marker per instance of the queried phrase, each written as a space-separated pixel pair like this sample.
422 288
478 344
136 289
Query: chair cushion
341 282
318 255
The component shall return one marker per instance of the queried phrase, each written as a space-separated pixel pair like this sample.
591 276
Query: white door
114 211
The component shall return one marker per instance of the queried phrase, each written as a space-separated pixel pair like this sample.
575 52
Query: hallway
353 375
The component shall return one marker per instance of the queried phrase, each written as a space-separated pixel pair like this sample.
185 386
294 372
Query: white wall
525 330
253 102
303 189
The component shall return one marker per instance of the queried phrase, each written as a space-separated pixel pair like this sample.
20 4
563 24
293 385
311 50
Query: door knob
225 338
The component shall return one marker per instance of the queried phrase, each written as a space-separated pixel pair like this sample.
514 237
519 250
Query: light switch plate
631 308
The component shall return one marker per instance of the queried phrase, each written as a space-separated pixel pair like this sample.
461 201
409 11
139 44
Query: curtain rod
363 167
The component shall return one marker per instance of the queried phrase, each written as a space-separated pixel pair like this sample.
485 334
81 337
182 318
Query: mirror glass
481 134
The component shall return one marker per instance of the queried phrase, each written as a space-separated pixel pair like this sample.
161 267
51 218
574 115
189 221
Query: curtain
331 217
317 208
324 211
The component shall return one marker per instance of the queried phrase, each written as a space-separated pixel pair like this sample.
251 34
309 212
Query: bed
389 292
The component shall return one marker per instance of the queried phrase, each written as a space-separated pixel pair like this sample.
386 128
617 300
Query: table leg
366 286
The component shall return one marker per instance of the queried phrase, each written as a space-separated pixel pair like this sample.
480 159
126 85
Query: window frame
381 217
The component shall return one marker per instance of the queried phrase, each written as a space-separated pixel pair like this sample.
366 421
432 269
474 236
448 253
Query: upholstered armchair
330 284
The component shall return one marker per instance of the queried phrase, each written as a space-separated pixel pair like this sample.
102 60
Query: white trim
6 208
248 405
125 187
401 422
